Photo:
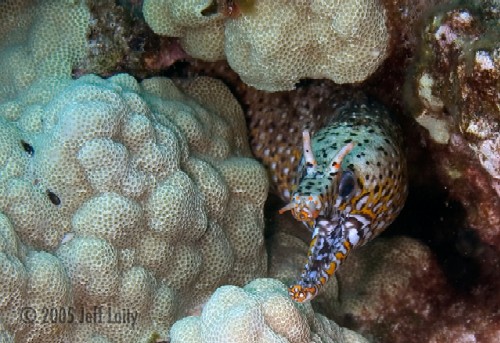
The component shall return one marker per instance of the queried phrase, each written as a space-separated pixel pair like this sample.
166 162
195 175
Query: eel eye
346 184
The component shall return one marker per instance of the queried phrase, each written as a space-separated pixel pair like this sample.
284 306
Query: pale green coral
278 43
40 39
262 312
116 192
200 29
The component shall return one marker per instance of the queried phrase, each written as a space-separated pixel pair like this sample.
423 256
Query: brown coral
454 95
395 290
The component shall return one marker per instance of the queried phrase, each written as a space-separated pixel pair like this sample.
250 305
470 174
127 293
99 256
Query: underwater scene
249 171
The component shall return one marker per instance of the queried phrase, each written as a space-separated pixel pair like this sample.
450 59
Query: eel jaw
329 247
301 294
304 208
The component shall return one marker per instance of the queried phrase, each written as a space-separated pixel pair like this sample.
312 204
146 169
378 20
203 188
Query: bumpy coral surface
119 196
456 297
278 43
454 95
259 312
199 26
64 38
40 38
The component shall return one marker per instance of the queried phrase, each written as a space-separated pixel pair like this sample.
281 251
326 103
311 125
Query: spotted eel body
351 183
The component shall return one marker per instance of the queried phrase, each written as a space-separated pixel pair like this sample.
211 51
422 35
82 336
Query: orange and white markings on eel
351 184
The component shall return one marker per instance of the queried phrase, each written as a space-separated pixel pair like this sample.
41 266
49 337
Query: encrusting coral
379 283
277 43
395 291
70 38
129 195
453 93
259 312
39 39
201 32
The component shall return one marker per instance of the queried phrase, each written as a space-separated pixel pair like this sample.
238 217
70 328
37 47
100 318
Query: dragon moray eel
350 184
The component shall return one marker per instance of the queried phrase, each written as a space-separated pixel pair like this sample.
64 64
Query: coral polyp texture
40 38
259 312
276 43
123 196
197 24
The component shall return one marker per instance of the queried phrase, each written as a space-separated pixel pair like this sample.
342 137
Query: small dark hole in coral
27 147
210 9
53 198
178 69
137 43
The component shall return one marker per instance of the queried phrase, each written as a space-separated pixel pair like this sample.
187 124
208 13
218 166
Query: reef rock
453 92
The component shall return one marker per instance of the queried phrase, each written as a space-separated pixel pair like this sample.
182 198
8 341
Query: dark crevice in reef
433 217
